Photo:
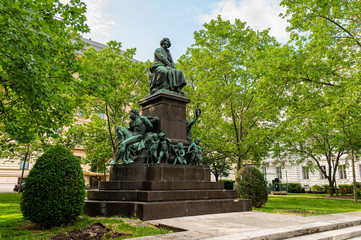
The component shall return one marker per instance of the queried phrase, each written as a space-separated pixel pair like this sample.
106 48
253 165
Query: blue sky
141 24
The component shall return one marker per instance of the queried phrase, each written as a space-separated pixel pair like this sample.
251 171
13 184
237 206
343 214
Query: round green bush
294 187
251 184
55 191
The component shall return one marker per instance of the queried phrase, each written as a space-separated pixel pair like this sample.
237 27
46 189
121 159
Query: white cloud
98 21
259 15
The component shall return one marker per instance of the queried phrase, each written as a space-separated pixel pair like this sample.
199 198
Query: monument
158 171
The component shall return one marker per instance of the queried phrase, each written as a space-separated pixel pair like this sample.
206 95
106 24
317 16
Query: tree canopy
222 73
37 44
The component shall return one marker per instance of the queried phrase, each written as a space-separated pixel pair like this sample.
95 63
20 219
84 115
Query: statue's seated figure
134 139
164 75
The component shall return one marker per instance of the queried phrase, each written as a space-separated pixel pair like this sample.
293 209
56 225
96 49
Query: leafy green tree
219 165
112 83
37 44
94 137
222 77
313 77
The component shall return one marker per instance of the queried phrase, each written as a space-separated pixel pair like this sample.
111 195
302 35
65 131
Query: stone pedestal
162 191
170 110
158 191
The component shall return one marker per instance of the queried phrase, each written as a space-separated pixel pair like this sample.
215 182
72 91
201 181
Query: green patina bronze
163 74
134 139
164 144
190 124
196 152
179 154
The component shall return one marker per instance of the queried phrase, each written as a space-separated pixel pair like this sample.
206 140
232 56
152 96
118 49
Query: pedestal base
162 191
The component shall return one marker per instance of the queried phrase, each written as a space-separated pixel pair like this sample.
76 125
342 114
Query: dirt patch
94 231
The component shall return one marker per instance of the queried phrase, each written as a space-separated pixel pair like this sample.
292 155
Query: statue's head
197 141
134 113
165 41
180 145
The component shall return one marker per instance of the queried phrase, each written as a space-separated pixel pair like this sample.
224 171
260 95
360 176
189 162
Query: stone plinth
162 191
170 109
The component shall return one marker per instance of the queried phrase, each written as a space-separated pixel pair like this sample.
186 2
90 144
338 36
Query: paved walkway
7 188
231 225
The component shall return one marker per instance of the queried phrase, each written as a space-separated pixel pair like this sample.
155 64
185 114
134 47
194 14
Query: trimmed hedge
318 189
345 189
54 192
251 184
294 187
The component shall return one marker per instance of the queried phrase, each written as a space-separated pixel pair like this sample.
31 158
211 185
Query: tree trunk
22 172
354 177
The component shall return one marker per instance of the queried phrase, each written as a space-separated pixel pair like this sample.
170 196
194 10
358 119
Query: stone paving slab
240 224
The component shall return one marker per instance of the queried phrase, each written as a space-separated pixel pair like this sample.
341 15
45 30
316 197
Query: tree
11 150
94 137
311 137
313 76
219 165
37 44
222 77
112 83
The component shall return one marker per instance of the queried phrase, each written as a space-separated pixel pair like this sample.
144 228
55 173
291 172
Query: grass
14 226
307 194
304 205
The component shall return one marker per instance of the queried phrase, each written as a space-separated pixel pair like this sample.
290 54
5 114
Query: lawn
14 226
305 205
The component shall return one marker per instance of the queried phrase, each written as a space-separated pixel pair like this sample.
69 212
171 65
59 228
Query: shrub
54 192
317 189
327 188
345 189
228 184
251 184
294 187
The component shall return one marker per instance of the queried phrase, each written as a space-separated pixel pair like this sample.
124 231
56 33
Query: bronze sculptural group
140 140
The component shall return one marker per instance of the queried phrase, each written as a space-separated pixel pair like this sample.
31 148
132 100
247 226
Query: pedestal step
152 185
159 210
152 196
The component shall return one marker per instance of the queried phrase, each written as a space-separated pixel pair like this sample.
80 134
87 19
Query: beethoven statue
164 75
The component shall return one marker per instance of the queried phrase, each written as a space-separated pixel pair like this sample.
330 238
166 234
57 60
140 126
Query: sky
141 24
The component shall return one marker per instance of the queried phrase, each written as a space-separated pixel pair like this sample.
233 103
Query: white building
289 172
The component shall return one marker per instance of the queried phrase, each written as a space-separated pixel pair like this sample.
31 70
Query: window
342 172
322 176
305 173
21 166
101 115
278 172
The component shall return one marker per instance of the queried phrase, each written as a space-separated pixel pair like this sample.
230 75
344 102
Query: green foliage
54 192
345 189
228 184
318 189
94 137
37 65
219 164
222 74
316 78
295 187
112 83
251 184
